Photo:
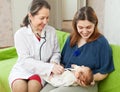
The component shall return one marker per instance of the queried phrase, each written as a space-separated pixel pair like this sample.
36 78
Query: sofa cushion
112 82
5 68
62 36
7 53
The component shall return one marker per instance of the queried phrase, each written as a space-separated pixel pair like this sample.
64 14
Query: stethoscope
42 42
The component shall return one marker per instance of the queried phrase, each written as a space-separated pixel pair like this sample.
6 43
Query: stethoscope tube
42 44
42 38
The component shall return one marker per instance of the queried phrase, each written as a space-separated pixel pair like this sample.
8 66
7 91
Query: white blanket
67 78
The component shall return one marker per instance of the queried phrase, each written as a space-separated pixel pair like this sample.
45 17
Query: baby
85 74
67 78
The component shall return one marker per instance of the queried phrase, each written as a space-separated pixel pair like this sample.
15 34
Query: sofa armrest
7 53
112 82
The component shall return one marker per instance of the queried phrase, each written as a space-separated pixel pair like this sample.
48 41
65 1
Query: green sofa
8 57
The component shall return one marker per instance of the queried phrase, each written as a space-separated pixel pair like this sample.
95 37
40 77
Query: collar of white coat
42 33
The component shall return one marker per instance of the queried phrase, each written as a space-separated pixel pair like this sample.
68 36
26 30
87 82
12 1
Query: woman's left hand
78 81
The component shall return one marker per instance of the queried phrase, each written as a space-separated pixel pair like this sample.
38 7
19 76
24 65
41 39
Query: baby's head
85 74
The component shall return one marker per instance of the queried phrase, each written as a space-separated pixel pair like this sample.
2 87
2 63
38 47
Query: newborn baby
67 78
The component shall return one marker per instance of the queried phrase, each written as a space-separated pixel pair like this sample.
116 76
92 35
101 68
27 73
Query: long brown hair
35 6
85 13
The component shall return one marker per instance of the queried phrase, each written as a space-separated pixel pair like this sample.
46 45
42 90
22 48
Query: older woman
36 44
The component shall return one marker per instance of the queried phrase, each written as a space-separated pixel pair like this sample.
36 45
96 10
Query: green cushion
61 38
112 82
5 67
7 53
8 56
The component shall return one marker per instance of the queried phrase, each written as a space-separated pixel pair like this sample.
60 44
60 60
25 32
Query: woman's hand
80 76
99 76
77 75
57 69
78 79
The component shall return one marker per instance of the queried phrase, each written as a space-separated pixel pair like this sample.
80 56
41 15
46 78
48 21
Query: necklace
37 34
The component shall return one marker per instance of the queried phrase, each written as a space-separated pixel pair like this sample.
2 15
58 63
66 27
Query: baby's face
82 71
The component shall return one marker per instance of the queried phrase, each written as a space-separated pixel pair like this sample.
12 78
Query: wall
19 11
6 32
59 12
112 21
99 7
55 18
109 18
12 13
69 7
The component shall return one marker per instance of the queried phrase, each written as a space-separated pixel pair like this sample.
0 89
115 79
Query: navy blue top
97 55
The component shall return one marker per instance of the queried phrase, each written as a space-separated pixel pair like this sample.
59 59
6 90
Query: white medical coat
34 55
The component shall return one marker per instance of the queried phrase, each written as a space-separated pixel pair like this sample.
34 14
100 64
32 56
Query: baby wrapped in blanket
67 78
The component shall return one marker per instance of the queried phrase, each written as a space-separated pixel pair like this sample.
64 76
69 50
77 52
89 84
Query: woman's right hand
78 76
57 69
